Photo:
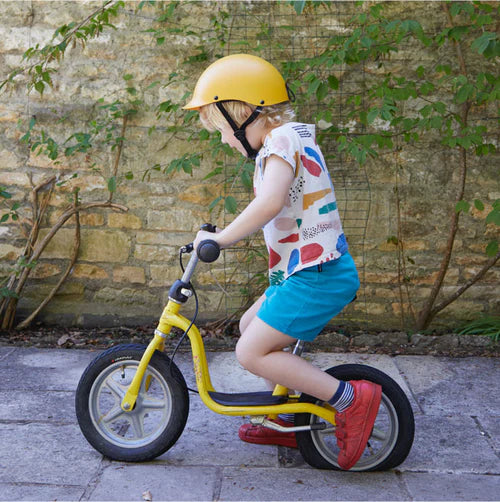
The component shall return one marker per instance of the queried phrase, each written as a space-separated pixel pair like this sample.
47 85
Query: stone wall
128 260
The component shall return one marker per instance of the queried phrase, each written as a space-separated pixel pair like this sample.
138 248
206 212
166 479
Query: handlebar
208 250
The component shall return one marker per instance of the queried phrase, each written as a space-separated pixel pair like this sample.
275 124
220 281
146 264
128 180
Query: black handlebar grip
208 227
208 251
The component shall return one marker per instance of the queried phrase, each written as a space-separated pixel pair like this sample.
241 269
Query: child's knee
245 357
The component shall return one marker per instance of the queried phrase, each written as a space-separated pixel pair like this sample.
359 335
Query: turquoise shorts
305 302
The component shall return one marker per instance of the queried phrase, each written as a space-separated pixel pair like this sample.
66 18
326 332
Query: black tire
158 418
392 435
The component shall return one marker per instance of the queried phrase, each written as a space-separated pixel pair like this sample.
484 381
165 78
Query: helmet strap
239 132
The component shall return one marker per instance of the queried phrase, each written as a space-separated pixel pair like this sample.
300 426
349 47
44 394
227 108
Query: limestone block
376 308
121 220
44 270
91 219
381 277
145 252
202 194
96 245
129 274
88 271
164 275
175 239
105 245
71 290
9 252
125 296
9 178
178 218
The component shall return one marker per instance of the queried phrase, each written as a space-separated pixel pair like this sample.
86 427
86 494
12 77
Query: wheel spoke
138 425
328 430
115 388
112 414
378 434
151 403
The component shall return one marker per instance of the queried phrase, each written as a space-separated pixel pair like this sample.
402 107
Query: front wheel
158 417
392 435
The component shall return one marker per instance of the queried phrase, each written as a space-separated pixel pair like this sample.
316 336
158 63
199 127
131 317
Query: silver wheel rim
145 422
380 445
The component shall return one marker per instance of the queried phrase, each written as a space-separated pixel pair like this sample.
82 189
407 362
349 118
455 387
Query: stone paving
456 454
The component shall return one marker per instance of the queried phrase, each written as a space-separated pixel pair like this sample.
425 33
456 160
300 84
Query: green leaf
204 135
333 82
492 248
298 5
40 86
128 76
372 115
214 203
481 43
322 91
112 184
479 205
463 206
464 93
439 107
129 175
230 204
493 217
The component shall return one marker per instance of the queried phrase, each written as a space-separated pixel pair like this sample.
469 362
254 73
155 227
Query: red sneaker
259 434
355 424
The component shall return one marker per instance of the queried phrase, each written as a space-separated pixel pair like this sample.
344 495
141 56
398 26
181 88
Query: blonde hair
273 116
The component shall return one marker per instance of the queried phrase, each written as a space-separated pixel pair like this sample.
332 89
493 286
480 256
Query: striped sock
343 398
287 417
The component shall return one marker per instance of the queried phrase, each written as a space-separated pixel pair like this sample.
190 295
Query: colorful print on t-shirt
308 230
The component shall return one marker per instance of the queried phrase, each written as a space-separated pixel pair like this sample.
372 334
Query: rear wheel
392 435
158 417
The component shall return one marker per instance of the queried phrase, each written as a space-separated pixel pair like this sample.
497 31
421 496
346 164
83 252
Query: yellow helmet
240 77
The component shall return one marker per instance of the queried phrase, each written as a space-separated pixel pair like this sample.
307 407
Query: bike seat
265 398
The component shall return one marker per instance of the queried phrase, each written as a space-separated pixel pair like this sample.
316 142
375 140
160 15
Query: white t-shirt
308 230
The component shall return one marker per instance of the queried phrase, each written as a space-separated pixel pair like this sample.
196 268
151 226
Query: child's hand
202 235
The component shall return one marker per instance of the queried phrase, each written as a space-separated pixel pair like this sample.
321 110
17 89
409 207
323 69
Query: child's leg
246 319
259 350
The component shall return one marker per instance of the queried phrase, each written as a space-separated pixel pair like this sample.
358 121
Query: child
312 276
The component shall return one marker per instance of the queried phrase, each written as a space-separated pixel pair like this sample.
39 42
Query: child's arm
273 195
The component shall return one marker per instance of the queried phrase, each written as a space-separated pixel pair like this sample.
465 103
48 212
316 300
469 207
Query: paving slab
308 484
45 453
18 492
129 482
44 369
38 405
209 439
490 427
446 486
450 444
455 456
448 386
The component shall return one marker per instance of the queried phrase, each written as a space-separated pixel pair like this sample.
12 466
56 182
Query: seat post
299 347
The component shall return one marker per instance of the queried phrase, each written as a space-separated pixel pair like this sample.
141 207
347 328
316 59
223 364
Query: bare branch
74 256
489 264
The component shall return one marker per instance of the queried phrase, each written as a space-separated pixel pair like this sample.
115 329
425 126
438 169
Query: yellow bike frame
171 318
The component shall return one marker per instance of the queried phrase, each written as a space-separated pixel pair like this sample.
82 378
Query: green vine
437 100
